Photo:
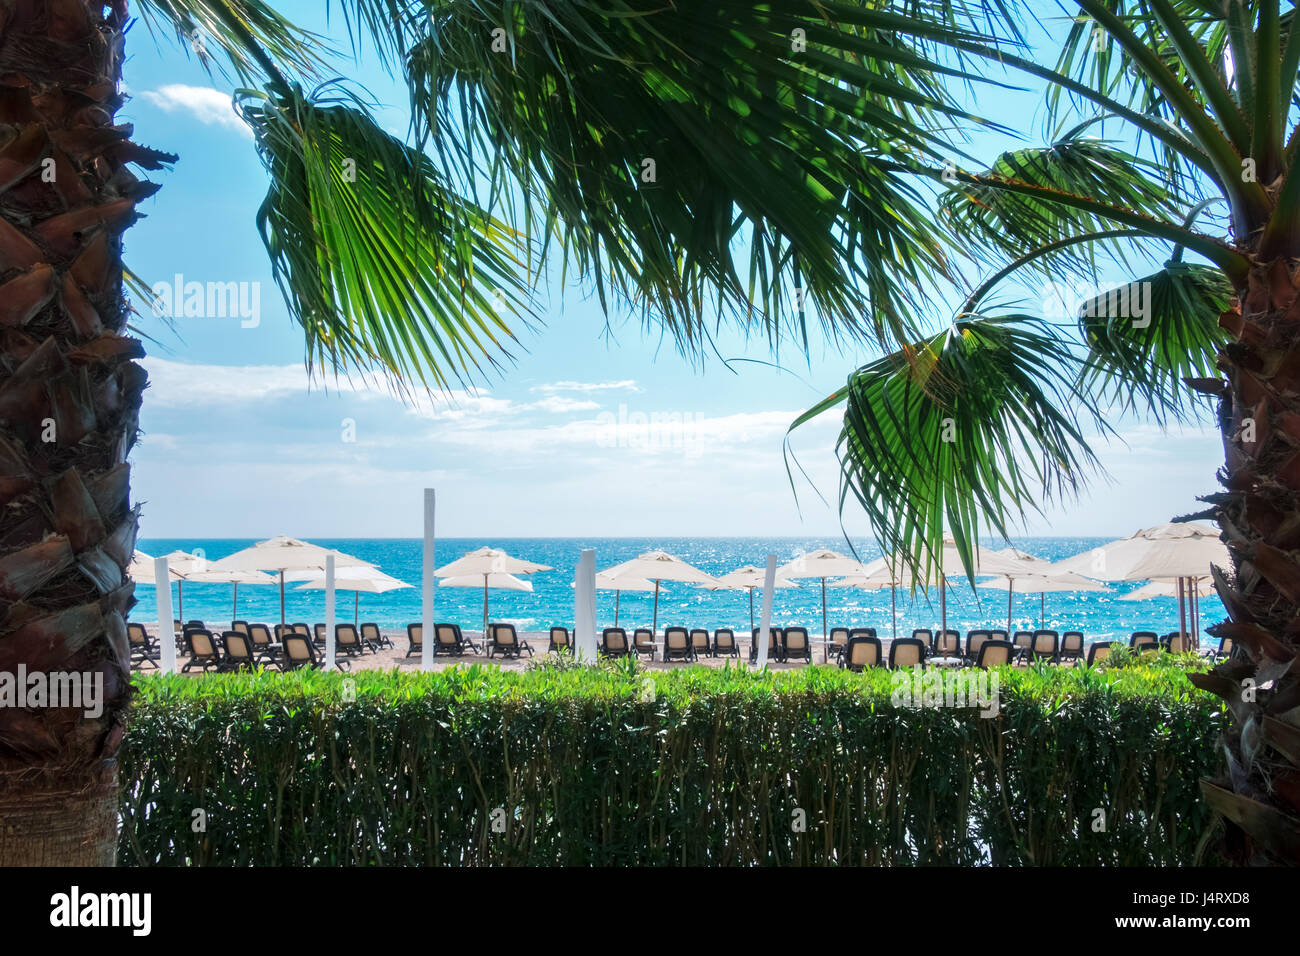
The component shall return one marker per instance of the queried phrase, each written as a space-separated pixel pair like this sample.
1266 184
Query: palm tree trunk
1258 512
69 406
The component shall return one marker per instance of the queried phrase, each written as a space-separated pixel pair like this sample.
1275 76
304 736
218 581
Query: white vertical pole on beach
166 628
329 612
765 619
426 585
584 606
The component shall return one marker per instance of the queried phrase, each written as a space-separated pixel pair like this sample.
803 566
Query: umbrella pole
234 608
893 609
1182 613
825 633
751 609
485 607
1011 584
180 601
617 594
943 607
282 598
1042 609
654 628
356 608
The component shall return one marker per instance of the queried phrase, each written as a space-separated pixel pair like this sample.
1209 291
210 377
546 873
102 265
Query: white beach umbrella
281 554
482 566
1204 587
659 566
1170 550
879 576
181 567
1041 585
821 563
141 569
749 578
1175 549
618 585
356 580
230 576
493 579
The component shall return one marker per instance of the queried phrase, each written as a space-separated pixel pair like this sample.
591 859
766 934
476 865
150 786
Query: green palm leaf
1141 361
383 266
978 423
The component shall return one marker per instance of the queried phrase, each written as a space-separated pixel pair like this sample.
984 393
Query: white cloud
627 385
209 106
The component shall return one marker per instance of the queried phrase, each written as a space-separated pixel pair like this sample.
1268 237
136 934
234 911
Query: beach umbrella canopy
489 561
748 578
1169 550
1158 589
618 585
141 569
822 563
230 576
493 579
356 580
281 554
659 566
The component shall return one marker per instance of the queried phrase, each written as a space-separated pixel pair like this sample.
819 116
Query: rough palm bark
69 403
1259 514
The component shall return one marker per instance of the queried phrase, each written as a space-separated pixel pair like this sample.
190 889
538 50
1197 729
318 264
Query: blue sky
238 443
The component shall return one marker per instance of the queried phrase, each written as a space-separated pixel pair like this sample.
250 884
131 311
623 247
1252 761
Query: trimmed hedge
615 766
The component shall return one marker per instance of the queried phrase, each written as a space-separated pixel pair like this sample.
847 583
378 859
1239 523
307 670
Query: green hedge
582 766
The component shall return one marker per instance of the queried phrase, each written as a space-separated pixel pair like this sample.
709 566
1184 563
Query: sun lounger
861 652
995 653
348 641
239 653
613 643
643 642
775 650
1176 643
906 652
973 641
795 644
1144 641
202 648
1046 646
560 642
677 644
450 641
1071 646
265 649
724 642
504 640
1023 640
700 645
415 635
1098 651
372 635
839 636
947 644
144 649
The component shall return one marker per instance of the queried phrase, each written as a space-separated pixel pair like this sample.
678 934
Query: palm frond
979 423
999 222
239 34
1146 338
381 263
700 158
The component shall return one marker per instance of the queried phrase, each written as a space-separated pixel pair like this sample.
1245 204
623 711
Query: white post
765 619
426 612
329 612
584 607
166 629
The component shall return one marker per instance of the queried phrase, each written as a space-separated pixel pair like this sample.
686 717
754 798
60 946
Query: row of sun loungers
290 646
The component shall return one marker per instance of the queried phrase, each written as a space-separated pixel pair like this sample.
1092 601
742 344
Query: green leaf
1141 360
380 262
975 425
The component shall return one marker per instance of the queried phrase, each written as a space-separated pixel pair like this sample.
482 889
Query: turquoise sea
551 602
